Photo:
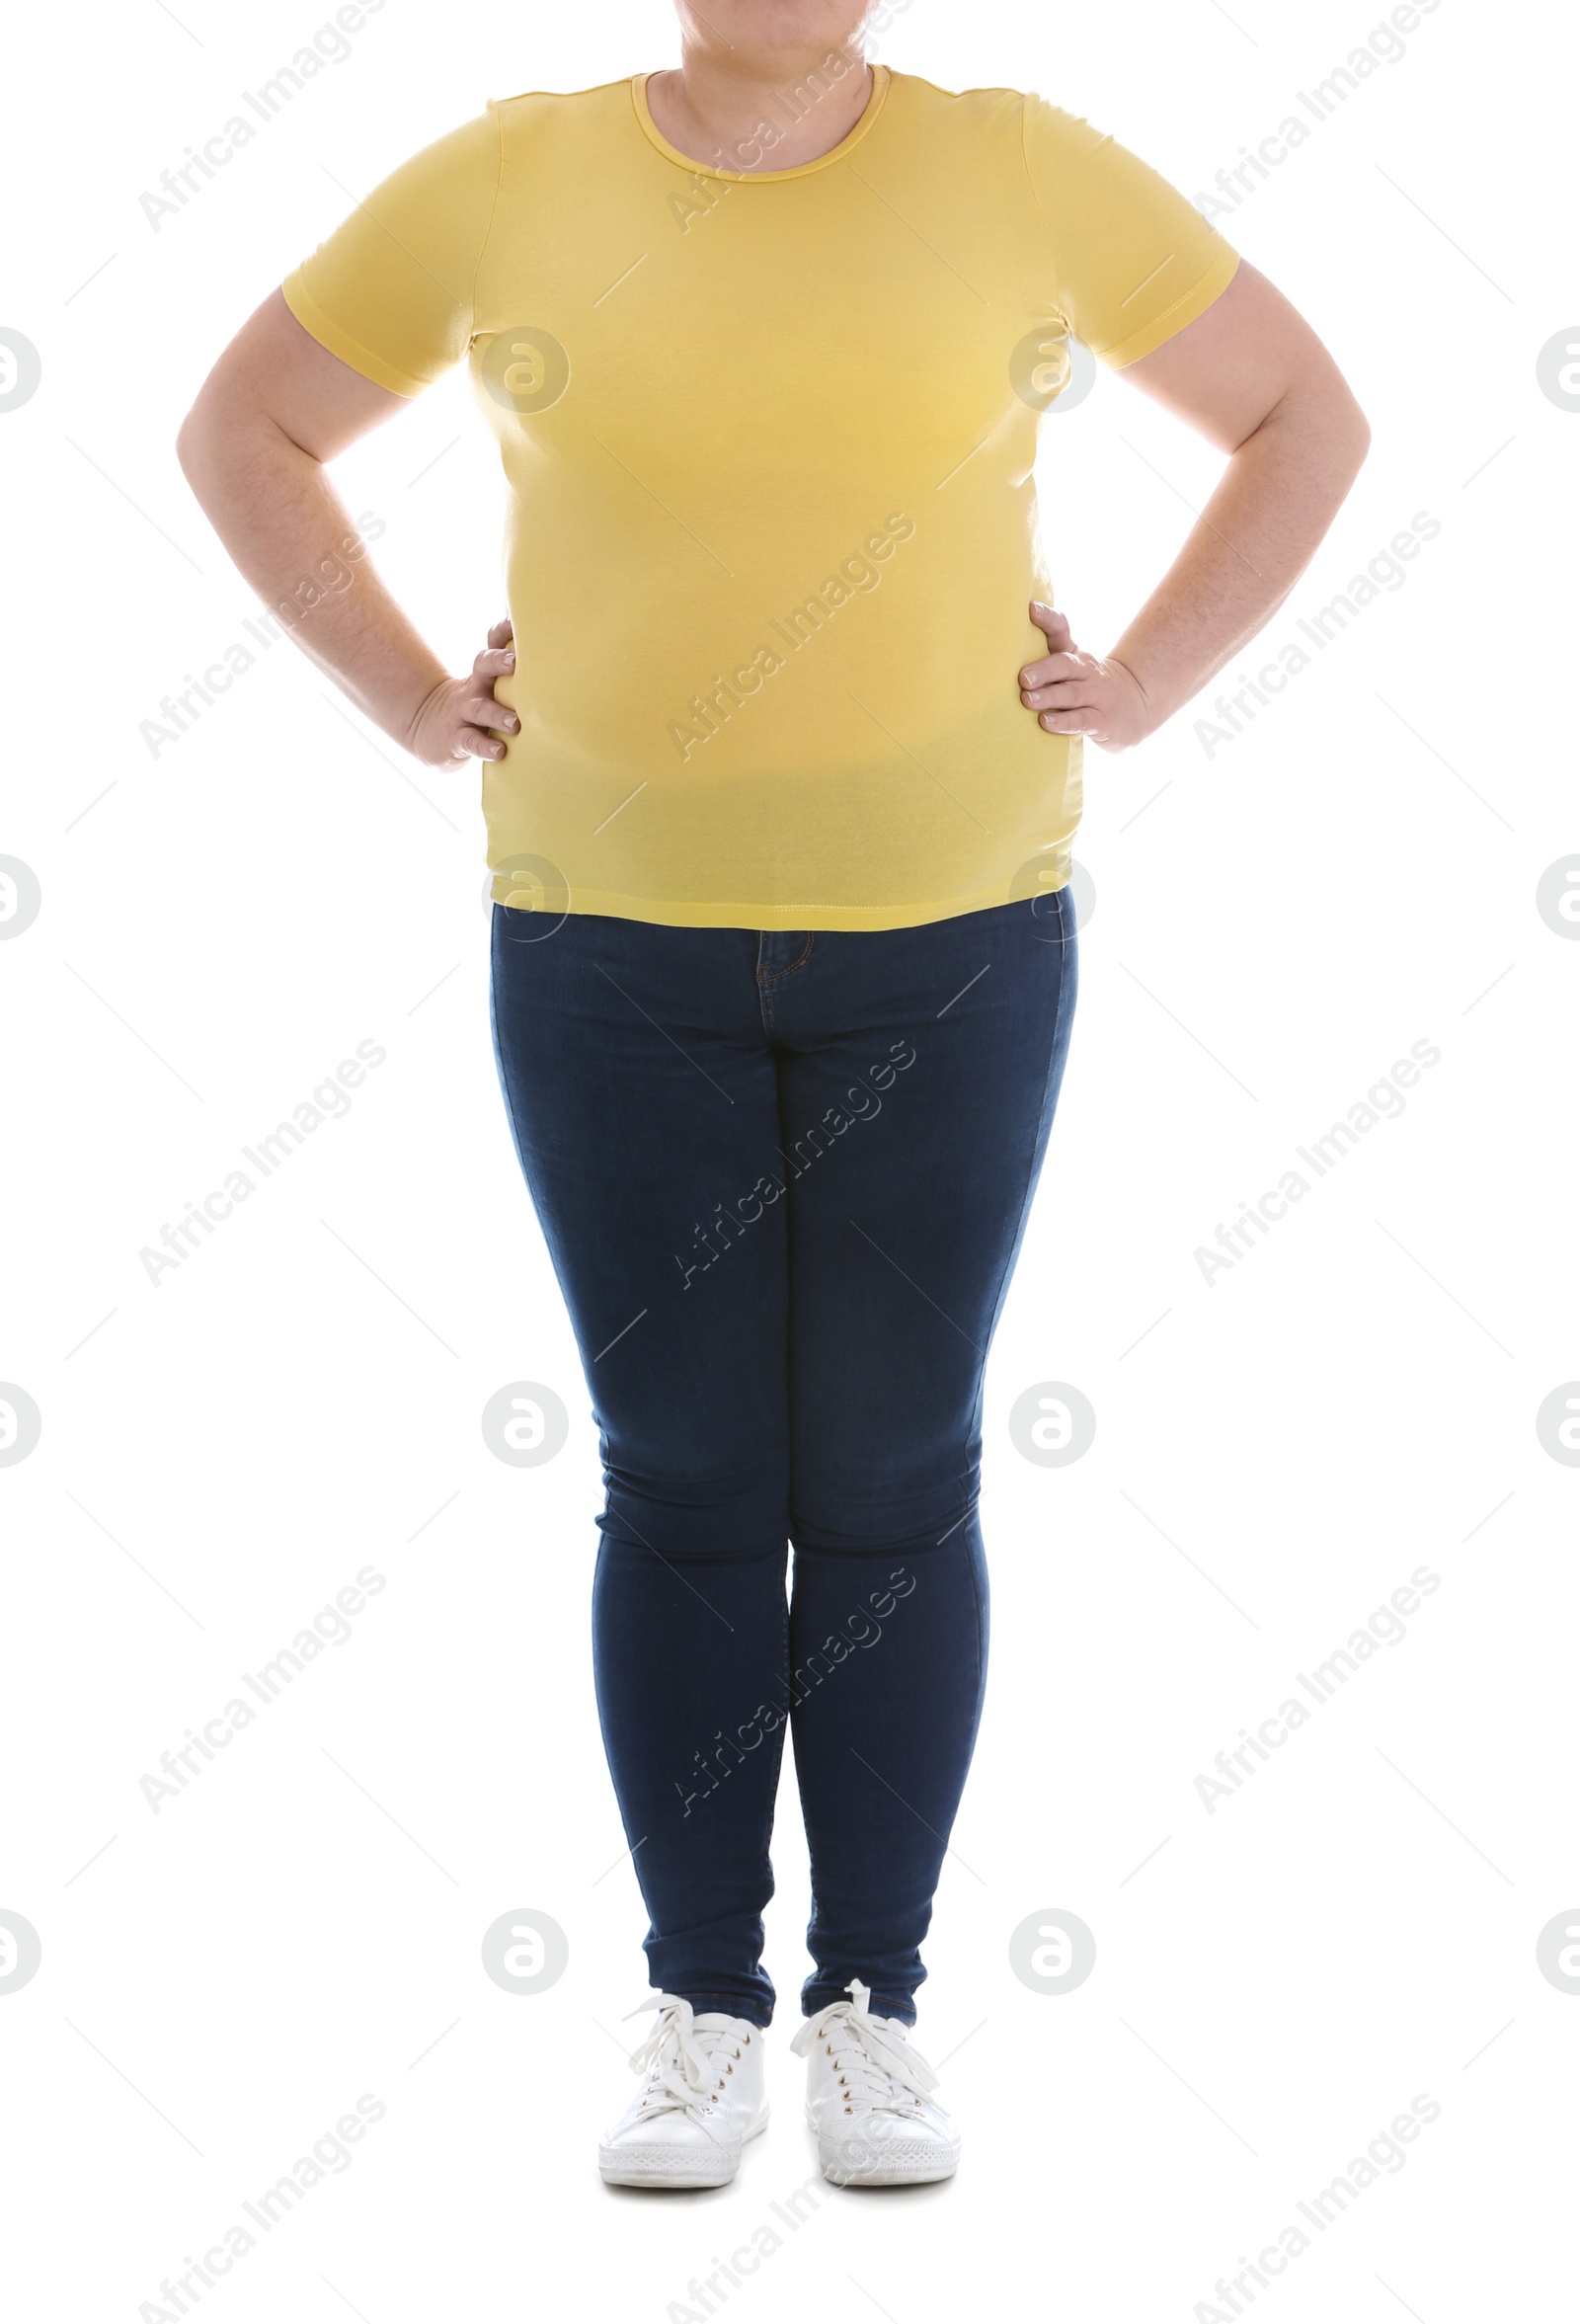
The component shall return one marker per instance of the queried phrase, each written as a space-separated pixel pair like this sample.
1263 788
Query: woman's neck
773 111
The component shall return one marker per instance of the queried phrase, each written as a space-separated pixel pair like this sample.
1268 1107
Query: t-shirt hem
329 333
1184 309
662 912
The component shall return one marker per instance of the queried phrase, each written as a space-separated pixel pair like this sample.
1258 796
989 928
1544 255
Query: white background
1355 1399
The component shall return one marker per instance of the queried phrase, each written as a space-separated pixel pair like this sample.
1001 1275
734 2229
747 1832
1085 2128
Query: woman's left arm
1252 376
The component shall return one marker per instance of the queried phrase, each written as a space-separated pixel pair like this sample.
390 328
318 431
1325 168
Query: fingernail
510 660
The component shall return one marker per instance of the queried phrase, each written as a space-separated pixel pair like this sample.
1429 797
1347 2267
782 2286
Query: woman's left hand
1080 693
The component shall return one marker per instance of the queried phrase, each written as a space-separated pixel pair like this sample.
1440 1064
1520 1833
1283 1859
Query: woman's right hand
453 721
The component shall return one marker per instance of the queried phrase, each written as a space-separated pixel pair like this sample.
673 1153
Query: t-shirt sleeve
391 291
1134 261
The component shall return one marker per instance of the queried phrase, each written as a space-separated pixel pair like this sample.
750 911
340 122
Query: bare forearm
1255 538
290 535
275 407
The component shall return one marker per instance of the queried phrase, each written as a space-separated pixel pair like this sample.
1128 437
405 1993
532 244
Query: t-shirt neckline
655 136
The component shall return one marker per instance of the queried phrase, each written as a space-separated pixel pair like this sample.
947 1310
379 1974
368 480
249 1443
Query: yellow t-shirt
769 439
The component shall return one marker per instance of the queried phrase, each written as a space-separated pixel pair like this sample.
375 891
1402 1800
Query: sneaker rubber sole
903 2163
672 2168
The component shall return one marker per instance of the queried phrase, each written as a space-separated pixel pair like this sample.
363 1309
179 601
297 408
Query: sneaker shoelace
682 2061
875 2066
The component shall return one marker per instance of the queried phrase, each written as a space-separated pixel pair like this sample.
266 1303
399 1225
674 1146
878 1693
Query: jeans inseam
981 1642
778 1762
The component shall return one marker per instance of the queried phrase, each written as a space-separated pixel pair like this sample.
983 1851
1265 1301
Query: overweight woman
781 761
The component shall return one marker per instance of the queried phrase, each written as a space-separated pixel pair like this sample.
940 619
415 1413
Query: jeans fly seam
776 976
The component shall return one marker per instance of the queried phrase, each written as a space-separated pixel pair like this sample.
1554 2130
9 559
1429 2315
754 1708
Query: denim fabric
783 1179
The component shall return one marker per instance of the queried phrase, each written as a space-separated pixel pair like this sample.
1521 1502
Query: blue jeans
783 1179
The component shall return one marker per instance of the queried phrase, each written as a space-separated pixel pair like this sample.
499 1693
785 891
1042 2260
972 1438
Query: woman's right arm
275 407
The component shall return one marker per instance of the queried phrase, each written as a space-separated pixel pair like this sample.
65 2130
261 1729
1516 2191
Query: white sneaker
703 2097
867 2099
